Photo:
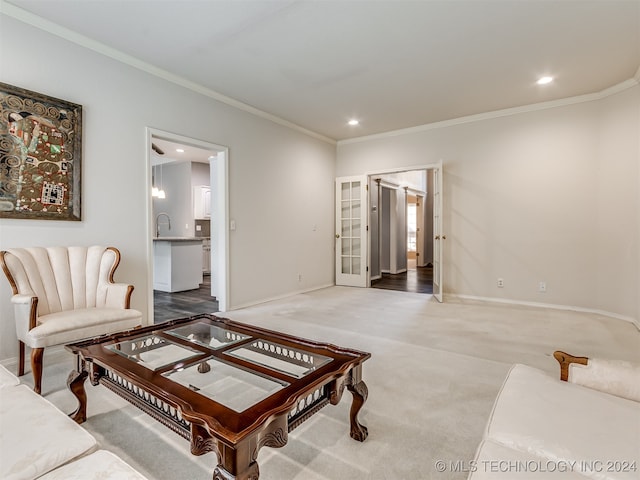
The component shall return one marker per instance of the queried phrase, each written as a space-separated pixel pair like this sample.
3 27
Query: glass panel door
351 232
438 236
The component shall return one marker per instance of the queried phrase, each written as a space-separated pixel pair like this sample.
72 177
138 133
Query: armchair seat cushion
72 325
34 437
538 415
497 461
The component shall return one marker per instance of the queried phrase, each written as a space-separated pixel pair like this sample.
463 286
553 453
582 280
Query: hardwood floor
418 280
168 306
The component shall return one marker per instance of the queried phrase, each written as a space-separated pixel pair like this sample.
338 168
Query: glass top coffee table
227 387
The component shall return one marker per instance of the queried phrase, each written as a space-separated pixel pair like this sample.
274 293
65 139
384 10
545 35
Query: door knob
437 237
337 235
444 237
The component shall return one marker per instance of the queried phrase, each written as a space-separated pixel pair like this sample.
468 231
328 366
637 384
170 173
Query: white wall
617 262
176 183
281 181
548 195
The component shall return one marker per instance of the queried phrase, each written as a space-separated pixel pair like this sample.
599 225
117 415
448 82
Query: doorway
188 172
362 227
398 221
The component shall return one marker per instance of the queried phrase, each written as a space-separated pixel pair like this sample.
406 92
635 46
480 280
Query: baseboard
55 353
279 297
553 306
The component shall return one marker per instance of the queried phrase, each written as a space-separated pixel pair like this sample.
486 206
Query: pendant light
161 193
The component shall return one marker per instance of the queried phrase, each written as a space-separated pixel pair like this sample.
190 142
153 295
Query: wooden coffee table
227 387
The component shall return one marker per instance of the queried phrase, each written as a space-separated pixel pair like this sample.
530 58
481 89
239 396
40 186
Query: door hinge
367 228
367 269
417 254
367 187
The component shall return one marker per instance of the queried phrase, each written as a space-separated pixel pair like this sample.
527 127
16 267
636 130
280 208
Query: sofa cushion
7 379
73 325
100 465
542 416
36 437
495 461
611 376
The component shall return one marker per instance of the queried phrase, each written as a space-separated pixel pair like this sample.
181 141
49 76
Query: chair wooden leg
36 368
21 358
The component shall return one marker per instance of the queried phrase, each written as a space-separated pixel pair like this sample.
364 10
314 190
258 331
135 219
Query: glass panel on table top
291 361
226 384
208 335
152 352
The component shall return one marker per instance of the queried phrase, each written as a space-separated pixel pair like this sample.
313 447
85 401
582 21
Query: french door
438 236
351 231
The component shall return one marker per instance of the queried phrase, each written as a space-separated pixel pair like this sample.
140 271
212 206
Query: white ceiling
170 152
392 64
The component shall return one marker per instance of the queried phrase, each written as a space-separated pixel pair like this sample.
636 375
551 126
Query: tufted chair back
63 278
65 294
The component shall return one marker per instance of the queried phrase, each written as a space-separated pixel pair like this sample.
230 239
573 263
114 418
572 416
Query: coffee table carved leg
360 393
233 463
75 382
251 473
237 463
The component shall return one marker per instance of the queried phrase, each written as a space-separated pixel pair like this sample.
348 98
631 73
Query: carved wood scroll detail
202 442
251 473
275 439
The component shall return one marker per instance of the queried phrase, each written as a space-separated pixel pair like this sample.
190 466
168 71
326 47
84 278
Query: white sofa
39 441
65 294
542 427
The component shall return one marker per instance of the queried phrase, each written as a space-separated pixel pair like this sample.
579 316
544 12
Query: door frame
219 209
430 166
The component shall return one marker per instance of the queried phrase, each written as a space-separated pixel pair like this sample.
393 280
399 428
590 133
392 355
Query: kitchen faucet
158 224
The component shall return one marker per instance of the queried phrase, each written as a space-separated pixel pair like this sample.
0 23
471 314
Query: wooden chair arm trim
33 313
565 359
115 263
5 269
127 299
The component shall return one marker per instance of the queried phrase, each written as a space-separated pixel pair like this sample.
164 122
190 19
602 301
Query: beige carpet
433 376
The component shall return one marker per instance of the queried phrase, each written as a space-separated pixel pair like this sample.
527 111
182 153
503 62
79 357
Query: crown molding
98 47
632 82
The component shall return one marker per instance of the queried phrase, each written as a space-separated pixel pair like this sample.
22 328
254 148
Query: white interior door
351 231
438 236
420 231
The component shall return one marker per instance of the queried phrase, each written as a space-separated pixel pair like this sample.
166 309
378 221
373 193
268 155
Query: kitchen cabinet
202 201
177 263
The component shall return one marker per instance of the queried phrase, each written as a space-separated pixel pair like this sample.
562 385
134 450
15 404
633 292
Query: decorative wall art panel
40 156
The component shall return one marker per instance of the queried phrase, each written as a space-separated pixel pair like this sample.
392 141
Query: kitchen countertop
178 239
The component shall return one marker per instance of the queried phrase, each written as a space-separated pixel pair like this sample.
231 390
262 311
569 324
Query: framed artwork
40 156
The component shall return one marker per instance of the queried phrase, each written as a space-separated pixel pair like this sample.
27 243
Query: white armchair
65 294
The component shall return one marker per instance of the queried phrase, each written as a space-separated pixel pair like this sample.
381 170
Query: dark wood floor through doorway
168 306
418 280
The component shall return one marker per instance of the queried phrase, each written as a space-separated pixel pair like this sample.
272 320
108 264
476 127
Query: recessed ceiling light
544 80
353 122
180 150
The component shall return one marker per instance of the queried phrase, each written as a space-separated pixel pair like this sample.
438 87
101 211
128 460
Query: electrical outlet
501 283
542 287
